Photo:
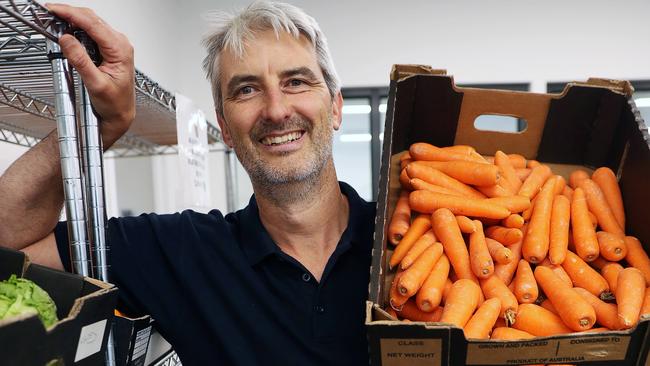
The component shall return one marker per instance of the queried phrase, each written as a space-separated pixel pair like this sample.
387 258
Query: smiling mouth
282 139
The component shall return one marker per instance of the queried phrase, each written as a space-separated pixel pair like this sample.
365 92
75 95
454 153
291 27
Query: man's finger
87 20
76 54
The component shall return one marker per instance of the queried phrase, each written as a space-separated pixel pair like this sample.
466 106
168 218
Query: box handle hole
500 123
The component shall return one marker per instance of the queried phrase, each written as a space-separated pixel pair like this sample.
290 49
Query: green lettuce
20 296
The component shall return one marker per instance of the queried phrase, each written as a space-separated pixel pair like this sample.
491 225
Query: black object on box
131 340
84 307
588 125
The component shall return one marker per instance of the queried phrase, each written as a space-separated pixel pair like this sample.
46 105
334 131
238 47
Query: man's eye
296 82
246 90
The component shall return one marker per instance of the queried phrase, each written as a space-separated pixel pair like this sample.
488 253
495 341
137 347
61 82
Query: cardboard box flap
586 126
619 86
399 72
530 107
11 262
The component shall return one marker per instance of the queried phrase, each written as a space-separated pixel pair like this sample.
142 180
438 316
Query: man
282 281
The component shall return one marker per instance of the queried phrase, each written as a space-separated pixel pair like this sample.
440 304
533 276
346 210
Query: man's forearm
31 195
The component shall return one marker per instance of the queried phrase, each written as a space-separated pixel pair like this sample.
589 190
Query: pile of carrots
505 249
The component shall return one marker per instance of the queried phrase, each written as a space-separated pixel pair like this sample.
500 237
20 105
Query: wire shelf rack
26 91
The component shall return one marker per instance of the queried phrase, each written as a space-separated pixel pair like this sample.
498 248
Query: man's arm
31 189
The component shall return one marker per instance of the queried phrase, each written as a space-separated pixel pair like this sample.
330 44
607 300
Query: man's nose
277 107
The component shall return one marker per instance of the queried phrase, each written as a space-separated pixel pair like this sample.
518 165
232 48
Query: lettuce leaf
21 296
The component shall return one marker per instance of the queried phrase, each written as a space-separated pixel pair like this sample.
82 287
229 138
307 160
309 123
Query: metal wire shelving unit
31 78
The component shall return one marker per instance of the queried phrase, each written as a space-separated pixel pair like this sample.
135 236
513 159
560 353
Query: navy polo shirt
223 293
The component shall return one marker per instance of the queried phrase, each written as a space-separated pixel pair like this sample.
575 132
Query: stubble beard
294 179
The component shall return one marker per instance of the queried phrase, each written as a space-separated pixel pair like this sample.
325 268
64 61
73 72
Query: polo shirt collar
257 243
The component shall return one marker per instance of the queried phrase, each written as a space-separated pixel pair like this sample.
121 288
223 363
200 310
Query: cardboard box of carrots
497 248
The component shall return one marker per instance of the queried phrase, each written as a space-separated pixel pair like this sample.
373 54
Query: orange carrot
512 203
448 283
481 323
493 287
630 291
517 161
414 276
560 183
645 308
599 263
606 180
523 173
582 275
396 300
637 257
531 186
559 233
575 311
610 272
500 322
598 206
606 314
427 202
513 221
404 163
499 253
576 177
411 312
417 184
404 160
461 302
558 270
435 176
404 180
405 156
567 192
612 246
594 220
424 151
391 312
584 235
459 149
465 224
418 227
529 211
505 272
502 161
533 164
479 256
478 174
510 334
494 191
420 246
548 305
538 321
525 286
504 235
536 242
401 220
446 229
430 294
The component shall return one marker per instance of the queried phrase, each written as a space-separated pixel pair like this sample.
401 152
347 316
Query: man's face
278 113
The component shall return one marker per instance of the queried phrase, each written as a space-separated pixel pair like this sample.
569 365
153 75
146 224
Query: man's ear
337 110
225 133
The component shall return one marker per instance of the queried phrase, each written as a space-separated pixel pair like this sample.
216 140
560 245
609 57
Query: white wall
477 41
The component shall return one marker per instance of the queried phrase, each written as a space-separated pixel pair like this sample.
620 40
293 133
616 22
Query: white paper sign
90 340
192 130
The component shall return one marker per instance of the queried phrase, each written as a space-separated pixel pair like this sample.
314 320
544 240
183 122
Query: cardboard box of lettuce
48 315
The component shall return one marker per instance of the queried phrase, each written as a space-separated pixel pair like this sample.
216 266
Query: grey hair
232 30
